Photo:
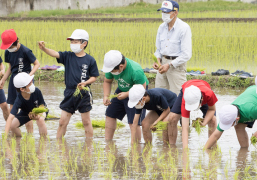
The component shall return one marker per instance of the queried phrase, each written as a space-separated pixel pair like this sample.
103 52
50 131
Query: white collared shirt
176 42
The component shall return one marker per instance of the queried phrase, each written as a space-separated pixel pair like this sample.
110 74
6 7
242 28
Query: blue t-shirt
77 69
36 99
160 99
21 60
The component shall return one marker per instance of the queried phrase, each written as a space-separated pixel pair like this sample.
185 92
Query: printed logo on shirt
20 65
123 83
36 103
160 108
84 72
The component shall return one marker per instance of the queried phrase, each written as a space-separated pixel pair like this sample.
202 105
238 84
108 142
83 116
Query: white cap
135 94
79 34
22 79
192 96
227 115
256 83
111 60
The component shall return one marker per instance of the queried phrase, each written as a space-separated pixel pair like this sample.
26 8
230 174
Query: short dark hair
15 43
19 89
122 62
82 41
146 94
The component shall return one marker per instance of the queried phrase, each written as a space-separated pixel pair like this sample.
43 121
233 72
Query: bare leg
87 124
110 127
15 127
5 109
63 123
138 132
173 127
150 118
212 124
41 125
242 135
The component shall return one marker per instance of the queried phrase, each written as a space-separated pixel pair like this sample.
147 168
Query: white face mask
116 73
75 48
32 89
166 18
140 106
198 107
12 49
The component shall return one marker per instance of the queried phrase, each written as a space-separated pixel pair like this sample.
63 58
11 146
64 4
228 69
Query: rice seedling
39 110
156 61
78 91
160 126
111 96
49 116
253 140
98 124
198 127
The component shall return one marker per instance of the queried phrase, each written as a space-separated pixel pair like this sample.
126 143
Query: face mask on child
12 49
75 48
140 106
32 89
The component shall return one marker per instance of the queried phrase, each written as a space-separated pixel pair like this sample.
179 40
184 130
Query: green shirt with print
247 105
132 74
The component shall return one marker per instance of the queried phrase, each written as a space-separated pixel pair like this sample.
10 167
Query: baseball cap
227 115
192 96
111 60
256 83
79 34
22 79
135 94
168 6
8 38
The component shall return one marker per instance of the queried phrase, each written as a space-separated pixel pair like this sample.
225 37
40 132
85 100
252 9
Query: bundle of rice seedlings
77 91
160 126
198 127
51 117
155 60
111 96
39 110
98 124
253 140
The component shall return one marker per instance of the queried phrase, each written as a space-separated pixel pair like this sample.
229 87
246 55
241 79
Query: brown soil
78 18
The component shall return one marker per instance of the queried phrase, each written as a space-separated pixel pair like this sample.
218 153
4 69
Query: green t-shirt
247 105
132 74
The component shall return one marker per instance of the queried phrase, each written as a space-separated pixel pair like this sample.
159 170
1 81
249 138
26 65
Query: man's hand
106 101
164 68
122 95
41 45
156 66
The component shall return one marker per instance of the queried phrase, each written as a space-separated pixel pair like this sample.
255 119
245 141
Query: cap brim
5 46
191 107
225 127
70 38
132 104
107 70
164 9
31 78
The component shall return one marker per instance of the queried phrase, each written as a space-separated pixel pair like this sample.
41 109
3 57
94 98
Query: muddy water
199 163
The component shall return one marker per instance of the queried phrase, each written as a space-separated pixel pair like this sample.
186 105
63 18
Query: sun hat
192 96
227 116
22 79
8 38
168 6
111 60
79 34
135 94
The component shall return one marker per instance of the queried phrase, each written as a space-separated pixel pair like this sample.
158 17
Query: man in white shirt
174 48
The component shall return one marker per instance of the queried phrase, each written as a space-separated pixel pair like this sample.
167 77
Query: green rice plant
111 96
39 110
160 126
198 127
98 124
156 60
195 69
49 116
253 140
78 91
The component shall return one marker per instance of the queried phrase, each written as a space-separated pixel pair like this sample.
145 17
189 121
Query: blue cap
168 6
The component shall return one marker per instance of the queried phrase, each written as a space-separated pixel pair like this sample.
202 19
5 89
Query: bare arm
50 52
134 128
107 90
8 123
209 115
124 95
185 130
35 68
89 81
2 68
213 139
6 75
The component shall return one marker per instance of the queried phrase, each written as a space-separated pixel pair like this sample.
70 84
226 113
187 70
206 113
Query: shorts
23 117
177 106
119 108
12 92
2 96
159 112
249 124
71 104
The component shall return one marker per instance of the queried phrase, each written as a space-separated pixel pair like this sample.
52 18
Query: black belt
170 57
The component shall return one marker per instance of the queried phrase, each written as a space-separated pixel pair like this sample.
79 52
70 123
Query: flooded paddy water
76 157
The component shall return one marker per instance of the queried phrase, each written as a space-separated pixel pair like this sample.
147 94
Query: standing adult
174 48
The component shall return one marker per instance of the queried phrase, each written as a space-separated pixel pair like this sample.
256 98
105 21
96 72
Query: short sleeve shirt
209 97
77 69
247 105
21 60
36 99
132 74
160 99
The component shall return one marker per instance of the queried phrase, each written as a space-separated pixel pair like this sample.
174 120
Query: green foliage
195 69
160 126
98 124
198 127
40 109
49 116
78 91
111 96
253 140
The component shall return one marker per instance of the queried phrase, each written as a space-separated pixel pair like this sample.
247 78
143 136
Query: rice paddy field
227 45
75 157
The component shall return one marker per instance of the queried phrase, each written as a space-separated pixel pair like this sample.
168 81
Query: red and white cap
192 96
8 38
79 34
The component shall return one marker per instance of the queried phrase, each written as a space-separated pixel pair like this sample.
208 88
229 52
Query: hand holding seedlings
156 63
253 140
111 96
122 95
106 101
41 45
197 125
78 89
159 126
